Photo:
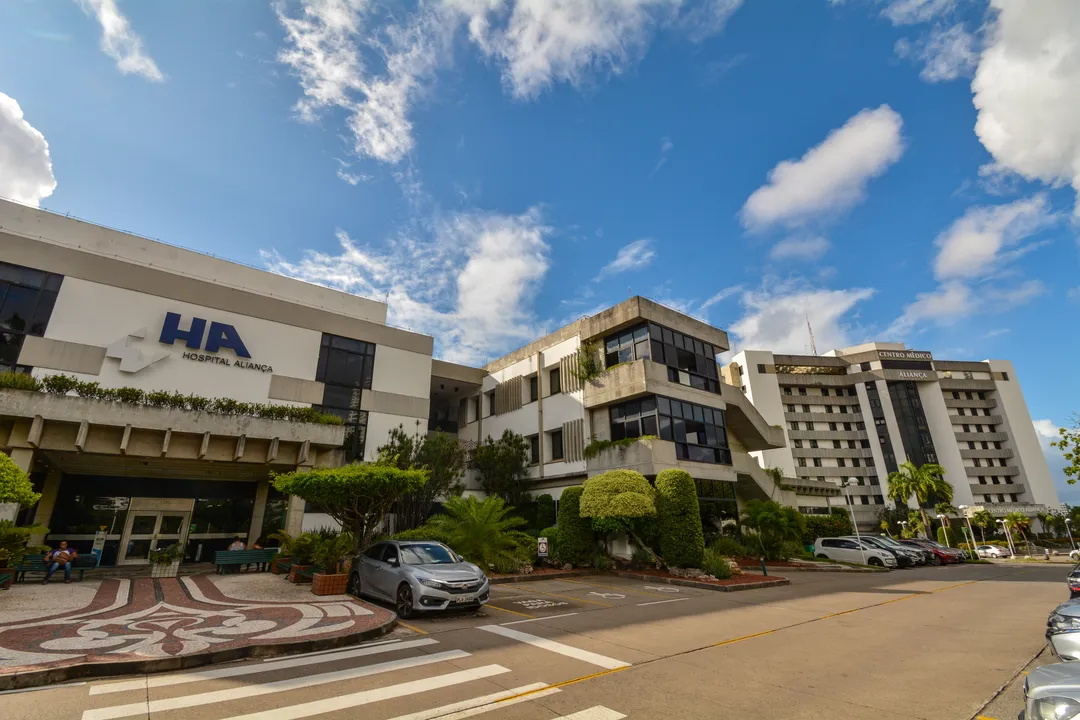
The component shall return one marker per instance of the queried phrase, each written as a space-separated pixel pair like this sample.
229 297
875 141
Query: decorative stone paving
145 619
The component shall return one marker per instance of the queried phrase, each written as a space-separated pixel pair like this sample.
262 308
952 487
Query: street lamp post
944 532
971 533
847 500
1008 536
903 527
1068 527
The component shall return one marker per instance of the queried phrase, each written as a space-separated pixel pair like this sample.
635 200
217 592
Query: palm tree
982 519
923 482
1018 521
1047 520
773 524
481 530
947 509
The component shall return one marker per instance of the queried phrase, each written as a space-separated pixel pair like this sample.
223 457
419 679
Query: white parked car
853 551
991 551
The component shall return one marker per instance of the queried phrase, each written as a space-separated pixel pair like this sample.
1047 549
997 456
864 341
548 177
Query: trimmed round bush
576 541
545 511
682 540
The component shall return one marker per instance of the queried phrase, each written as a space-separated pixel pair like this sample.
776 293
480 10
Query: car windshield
888 541
426 554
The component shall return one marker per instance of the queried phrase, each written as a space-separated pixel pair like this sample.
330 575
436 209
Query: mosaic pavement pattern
147 618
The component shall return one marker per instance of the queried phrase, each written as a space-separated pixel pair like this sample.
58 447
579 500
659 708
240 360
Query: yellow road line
744 637
619 587
567 597
564 683
512 612
412 627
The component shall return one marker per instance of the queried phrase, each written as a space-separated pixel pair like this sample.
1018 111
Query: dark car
1073 581
941 554
905 557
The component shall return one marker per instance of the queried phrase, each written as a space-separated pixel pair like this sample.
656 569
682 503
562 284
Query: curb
51 676
778 582
543 576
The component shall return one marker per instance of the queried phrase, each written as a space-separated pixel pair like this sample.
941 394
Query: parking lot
922 643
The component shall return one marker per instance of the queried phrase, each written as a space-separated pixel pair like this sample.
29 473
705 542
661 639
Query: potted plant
303 551
283 560
13 548
166 562
329 556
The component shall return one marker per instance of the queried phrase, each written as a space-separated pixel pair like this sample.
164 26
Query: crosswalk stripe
595 713
556 647
365 697
335 650
277 664
237 693
483 704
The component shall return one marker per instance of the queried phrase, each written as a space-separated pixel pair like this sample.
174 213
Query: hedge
946 536
831 525
545 511
682 541
576 543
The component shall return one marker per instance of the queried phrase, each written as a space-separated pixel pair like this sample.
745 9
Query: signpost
542 547
99 545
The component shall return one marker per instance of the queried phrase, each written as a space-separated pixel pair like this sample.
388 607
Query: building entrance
153 524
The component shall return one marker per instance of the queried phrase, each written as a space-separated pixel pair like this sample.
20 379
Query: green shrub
730 547
130 395
946 536
157 398
576 539
832 525
682 540
424 533
715 563
552 535
595 447
545 511
600 561
194 402
19 381
89 390
642 558
507 565
59 384
15 485
303 548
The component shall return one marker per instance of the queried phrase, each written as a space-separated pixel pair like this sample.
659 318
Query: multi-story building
658 381
857 413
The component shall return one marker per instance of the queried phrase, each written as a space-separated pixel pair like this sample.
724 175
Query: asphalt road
925 643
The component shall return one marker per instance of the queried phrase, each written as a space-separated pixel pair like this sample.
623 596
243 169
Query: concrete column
259 512
540 410
45 505
294 516
23 457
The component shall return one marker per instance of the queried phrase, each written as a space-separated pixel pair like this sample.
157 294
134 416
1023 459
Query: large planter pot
158 570
286 562
294 578
323 584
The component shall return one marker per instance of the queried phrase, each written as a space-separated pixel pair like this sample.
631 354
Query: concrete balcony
827 434
823 417
836 472
987 404
975 419
639 378
978 489
650 457
810 486
831 452
978 437
955 384
1009 471
989 453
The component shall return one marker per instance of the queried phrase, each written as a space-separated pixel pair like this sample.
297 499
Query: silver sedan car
417 575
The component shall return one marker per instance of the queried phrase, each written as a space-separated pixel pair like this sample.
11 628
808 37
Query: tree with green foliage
924 482
502 467
982 519
441 455
358 495
620 500
835 524
576 540
483 531
545 511
682 540
1068 443
772 524
15 485
1019 522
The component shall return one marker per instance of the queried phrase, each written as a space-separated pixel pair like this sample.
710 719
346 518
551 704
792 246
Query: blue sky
895 169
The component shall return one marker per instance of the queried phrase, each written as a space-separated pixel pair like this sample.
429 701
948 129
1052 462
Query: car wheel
936 560
823 557
875 562
404 602
353 587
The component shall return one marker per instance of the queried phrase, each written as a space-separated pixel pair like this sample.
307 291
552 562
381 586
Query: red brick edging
685 582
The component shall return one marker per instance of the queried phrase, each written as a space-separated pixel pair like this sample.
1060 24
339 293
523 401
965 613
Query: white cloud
831 177
1073 293
911 12
720 296
1027 89
800 248
351 178
1047 430
666 146
947 53
997 332
120 42
776 319
946 305
708 18
470 284
26 174
632 256
972 246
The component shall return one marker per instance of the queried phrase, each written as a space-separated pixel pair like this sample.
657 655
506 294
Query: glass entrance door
151 530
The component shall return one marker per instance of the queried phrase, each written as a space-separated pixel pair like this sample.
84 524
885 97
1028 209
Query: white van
853 551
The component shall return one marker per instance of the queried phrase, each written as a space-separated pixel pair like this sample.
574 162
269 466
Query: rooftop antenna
813 345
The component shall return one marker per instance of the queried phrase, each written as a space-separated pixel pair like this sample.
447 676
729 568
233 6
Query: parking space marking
598 712
540 603
557 647
661 602
623 588
609 596
512 612
662 588
548 617
568 597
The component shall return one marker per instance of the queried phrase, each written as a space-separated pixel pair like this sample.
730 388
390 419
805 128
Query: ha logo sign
219 337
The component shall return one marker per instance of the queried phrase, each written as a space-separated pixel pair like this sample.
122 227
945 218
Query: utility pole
813 345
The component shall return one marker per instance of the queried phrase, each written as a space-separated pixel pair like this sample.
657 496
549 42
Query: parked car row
885 551
1052 692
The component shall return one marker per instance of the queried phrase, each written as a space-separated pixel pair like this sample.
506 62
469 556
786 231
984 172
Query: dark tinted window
556 445
375 551
27 297
345 369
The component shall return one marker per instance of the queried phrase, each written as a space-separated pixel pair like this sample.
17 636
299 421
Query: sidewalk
118 626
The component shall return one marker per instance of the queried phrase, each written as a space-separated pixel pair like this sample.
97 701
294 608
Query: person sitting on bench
237 544
61 557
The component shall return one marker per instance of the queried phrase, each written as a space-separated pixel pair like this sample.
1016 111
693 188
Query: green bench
260 558
305 576
38 565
